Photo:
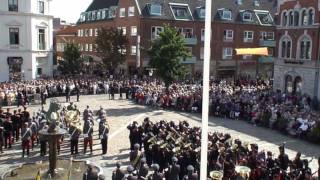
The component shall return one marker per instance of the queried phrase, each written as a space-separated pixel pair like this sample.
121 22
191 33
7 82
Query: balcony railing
267 43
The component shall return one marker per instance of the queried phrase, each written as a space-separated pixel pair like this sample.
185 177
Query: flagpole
205 92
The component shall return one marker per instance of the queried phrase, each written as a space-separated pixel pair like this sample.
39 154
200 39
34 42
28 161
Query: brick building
236 24
297 64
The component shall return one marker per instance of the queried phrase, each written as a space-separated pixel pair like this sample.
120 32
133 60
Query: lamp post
205 92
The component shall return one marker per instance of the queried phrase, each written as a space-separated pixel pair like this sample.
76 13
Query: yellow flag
38 176
252 51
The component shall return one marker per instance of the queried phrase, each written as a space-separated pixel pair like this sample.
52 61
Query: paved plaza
120 113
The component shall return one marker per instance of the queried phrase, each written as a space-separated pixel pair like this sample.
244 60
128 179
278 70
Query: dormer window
226 14
181 12
264 17
239 2
89 15
201 12
155 9
247 16
94 15
99 15
256 3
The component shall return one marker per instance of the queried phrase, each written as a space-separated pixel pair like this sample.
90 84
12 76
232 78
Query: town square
159 90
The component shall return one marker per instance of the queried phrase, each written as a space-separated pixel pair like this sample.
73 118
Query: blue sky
69 10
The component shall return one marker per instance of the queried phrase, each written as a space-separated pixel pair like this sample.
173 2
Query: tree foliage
111 47
71 62
166 54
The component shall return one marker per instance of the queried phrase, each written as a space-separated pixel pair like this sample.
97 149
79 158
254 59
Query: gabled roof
101 4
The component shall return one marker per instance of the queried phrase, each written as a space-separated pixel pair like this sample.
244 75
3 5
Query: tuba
216 175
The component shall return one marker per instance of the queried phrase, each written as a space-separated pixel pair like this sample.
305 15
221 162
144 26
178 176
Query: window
187 32
155 9
13 5
226 15
41 39
131 11
284 18
103 14
98 15
155 31
14 36
311 17
79 31
123 29
290 18
266 35
248 36
122 12
90 32
227 53
304 17
90 47
133 30
239 2
96 32
181 12
256 3
86 47
246 56
296 18
133 50
264 18
228 35
285 45
41 7
202 34
86 32
247 16
202 13
94 15
305 48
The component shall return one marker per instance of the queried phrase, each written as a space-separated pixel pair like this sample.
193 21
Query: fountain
55 169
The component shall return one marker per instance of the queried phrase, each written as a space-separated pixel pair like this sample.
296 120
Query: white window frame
44 6
202 12
122 12
156 35
86 47
90 32
156 13
96 32
202 35
226 37
131 11
45 39
246 38
246 13
224 13
133 50
227 53
90 47
134 30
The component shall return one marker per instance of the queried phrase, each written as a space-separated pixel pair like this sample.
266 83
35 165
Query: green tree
71 62
111 47
166 54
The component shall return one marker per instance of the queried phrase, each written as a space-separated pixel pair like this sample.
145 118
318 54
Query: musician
87 113
77 91
143 169
68 92
25 115
130 175
103 134
71 107
135 135
191 175
297 162
90 174
87 134
1 139
270 164
74 138
156 174
7 127
34 131
174 169
118 174
283 159
25 138
135 156
42 139
15 125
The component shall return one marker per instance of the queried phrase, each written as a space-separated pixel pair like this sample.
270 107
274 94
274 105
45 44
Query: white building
25 39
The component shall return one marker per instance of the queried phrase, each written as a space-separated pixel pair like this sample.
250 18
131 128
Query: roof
101 4
265 5
69 30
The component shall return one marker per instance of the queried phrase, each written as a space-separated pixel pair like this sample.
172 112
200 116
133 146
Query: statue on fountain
52 115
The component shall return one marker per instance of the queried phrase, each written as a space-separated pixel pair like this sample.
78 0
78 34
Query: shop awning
252 51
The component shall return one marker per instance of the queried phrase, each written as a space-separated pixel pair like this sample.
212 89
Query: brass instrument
216 175
72 118
243 171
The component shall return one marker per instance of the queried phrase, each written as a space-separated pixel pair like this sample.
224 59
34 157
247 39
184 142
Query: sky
69 10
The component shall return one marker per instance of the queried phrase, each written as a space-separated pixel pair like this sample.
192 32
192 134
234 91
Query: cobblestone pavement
122 112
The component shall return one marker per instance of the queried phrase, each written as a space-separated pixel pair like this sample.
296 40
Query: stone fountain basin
29 171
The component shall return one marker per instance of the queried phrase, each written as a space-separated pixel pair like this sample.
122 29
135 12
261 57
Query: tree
166 54
111 47
71 62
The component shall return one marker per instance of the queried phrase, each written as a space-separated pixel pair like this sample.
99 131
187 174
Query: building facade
297 64
235 24
26 39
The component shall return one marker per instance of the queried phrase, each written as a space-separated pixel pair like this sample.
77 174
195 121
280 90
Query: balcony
266 59
189 60
191 40
267 43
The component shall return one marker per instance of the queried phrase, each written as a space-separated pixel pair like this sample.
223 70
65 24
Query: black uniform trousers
104 144
74 146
